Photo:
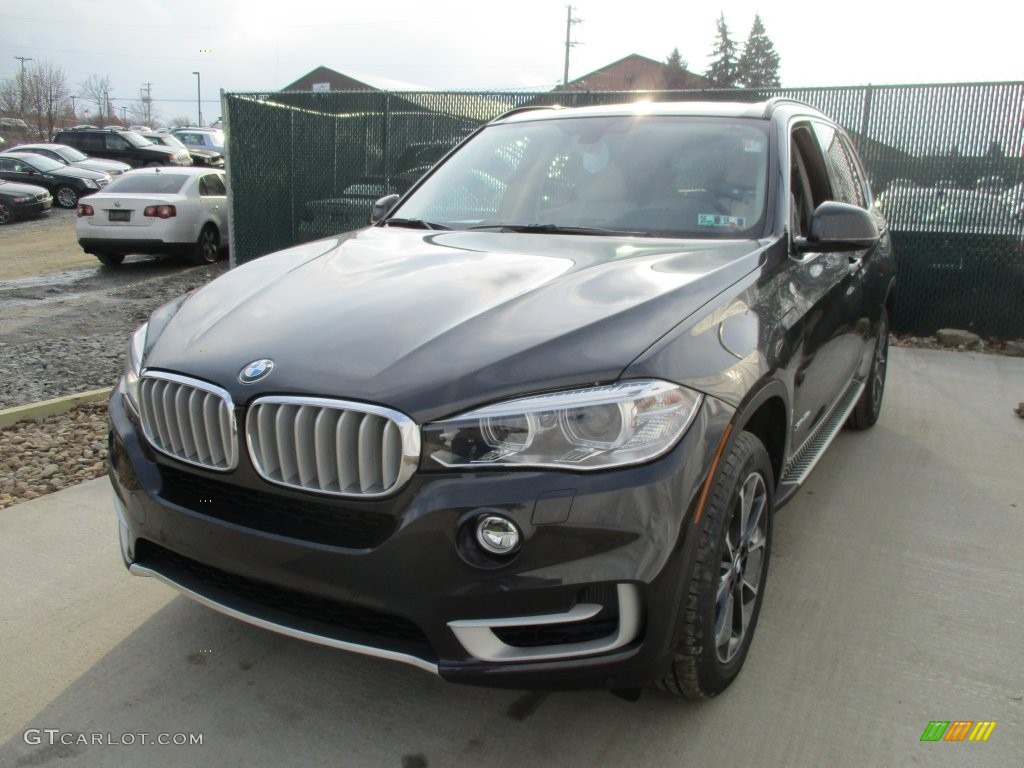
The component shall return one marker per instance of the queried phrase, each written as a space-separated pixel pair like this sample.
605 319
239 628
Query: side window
809 183
115 142
89 141
212 185
6 164
847 184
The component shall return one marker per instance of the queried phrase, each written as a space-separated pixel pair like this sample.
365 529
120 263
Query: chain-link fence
945 162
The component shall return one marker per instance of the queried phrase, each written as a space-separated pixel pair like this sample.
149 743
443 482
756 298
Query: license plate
120 215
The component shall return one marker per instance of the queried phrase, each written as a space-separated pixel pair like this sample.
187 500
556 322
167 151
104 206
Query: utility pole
199 99
147 104
569 21
74 115
21 103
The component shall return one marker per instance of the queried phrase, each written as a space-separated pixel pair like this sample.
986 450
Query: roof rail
776 101
527 108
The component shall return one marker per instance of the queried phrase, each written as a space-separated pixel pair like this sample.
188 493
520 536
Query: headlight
91 184
133 365
584 429
22 199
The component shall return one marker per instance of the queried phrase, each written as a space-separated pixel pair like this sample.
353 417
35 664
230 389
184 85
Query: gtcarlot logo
958 730
53 736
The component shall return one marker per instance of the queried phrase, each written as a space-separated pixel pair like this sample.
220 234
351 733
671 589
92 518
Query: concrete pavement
894 599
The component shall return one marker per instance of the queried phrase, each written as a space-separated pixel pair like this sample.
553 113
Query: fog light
498 535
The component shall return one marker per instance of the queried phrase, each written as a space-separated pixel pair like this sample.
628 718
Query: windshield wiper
557 229
413 224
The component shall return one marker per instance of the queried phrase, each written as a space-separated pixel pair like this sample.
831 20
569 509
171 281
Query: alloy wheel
741 569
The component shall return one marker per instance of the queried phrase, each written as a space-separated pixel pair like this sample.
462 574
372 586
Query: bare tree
181 121
47 94
10 94
142 113
96 89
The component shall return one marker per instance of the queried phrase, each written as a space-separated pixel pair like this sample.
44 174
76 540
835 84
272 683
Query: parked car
962 251
65 183
20 201
321 218
154 211
71 156
123 146
204 157
202 138
530 429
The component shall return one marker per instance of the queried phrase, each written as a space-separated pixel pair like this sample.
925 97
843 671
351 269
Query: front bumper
590 599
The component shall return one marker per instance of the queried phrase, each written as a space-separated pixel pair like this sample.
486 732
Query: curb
44 408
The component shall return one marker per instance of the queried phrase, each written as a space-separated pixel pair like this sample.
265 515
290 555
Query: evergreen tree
676 76
722 71
758 67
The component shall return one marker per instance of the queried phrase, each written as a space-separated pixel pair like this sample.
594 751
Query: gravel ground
41 457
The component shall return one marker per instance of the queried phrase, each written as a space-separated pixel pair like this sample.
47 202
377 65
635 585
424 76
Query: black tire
66 196
207 249
6 214
723 594
111 259
865 413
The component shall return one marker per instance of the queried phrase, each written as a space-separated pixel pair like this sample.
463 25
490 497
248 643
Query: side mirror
838 227
382 207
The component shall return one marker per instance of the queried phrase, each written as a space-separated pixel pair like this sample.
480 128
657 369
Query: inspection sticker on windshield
753 145
714 220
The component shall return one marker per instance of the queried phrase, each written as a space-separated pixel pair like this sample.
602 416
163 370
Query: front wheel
865 413
6 214
207 249
723 591
66 197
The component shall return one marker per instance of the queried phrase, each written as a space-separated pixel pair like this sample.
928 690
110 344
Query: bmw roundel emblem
255 371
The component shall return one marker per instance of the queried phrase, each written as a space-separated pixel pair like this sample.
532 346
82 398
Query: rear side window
847 184
84 141
212 184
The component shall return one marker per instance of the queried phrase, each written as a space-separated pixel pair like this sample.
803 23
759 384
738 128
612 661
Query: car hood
70 171
435 322
17 188
103 166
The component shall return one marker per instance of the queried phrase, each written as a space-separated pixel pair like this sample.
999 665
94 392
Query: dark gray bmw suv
531 427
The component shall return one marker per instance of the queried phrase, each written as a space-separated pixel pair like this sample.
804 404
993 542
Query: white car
157 210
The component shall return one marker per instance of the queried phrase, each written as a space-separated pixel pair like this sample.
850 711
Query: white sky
458 45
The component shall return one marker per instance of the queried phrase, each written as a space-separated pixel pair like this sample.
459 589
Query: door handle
856 263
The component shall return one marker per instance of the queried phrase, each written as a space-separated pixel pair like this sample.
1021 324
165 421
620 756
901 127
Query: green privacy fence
945 162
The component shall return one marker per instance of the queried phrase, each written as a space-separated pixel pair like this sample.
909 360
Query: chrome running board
807 455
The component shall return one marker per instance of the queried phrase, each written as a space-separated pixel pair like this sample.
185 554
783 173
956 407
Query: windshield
167 141
149 183
667 176
70 154
44 164
135 139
